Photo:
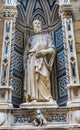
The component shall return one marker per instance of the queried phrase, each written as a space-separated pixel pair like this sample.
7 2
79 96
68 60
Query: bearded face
37 26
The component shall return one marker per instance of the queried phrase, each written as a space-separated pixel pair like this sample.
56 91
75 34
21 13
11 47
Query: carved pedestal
39 105
5 97
40 119
73 95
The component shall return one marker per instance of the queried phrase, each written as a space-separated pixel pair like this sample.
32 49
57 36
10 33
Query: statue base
74 103
35 105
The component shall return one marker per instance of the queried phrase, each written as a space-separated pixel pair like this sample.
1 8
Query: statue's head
38 111
37 26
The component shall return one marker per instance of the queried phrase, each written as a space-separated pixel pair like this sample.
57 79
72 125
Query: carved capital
65 11
7 12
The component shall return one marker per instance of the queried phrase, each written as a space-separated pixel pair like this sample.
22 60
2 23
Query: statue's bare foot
51 100
34 101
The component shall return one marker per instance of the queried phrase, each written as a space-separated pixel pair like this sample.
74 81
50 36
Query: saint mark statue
40 57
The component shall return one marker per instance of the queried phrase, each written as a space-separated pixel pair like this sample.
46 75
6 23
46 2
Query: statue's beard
38 30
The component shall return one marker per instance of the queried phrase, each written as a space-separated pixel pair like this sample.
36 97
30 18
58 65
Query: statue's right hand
31 51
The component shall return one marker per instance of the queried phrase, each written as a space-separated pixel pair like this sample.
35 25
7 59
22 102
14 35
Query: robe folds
39 68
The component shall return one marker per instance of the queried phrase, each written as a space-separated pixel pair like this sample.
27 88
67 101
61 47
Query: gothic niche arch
48 13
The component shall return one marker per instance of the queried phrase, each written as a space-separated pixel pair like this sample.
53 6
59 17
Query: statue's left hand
42 53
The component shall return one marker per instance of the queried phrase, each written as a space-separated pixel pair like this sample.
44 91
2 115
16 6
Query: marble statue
39 119
40 57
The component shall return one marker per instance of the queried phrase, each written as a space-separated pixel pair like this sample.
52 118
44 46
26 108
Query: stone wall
76 24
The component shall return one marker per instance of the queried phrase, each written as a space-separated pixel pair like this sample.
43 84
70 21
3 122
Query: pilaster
9 12
73 85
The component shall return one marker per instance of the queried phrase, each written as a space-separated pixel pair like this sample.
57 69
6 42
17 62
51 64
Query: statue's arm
45 52
49 50
32 49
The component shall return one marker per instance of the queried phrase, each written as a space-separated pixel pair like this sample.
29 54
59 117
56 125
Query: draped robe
38 68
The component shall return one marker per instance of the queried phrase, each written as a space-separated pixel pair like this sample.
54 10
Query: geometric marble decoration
17 66
59 118
21 118
17 84
18 38
17 61
58 37
61 60
62 82
60 65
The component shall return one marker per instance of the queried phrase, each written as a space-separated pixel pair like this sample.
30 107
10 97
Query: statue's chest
39 40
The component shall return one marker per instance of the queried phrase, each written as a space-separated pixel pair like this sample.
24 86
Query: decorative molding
5 64
21 119
59 118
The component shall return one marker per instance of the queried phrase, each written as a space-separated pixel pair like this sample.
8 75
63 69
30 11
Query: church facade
60 19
